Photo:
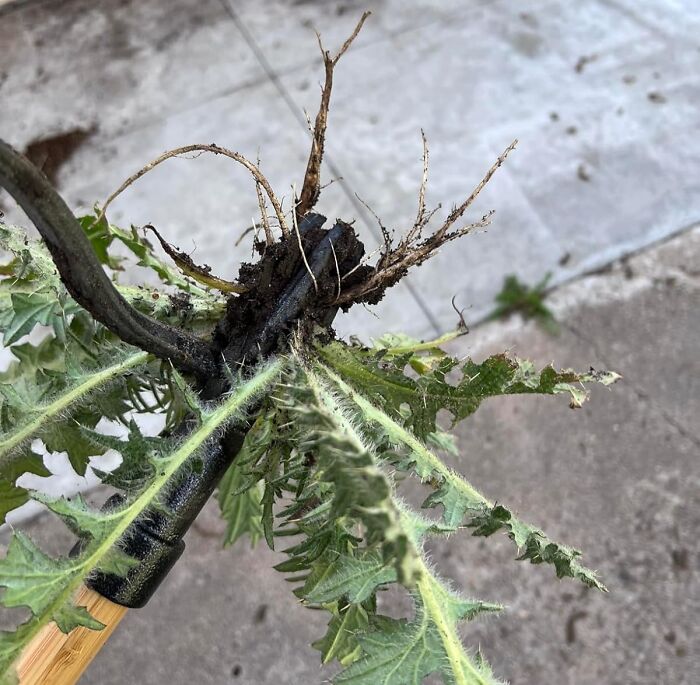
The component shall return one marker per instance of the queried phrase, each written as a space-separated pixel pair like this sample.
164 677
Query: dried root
260 179
413 249
263 212
201 274
364 283
311 188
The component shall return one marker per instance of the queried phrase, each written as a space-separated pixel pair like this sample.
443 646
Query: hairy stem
398 434
95 553
64 402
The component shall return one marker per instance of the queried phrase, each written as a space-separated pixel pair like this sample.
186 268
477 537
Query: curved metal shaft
83 274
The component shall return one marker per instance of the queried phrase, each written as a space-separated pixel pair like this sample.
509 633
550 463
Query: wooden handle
54 658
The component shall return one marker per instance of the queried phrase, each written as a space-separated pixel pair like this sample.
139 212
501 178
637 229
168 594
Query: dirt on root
268 279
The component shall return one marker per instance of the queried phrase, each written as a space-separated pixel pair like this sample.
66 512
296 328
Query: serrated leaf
341 639
462 504
382 377
138 452
399 652
43 357
361 490
45 585
443 441
29 310
57 421
68 437
70 616
100 238
104 234
326 460
242 511
356 578
30 577
80 518
10 649
11 497
33 272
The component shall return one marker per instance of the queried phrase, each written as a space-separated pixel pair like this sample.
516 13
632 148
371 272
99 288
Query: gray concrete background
603 95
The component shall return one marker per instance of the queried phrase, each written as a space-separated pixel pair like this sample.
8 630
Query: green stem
428 586
448 632
422 346
65 401
95 553
397 433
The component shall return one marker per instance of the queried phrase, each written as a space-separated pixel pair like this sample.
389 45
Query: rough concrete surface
618 479
603 96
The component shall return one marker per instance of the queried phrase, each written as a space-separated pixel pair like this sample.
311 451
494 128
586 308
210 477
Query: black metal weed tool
155 539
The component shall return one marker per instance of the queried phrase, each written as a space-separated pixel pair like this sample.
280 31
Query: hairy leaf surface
381 374
45 585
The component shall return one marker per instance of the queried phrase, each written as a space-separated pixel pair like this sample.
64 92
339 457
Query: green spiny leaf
59 421
45 585
354 577
462 503
30 310
382 376
516 296
31 577
138 452
341 639
69 617
361 491
33 273
242 511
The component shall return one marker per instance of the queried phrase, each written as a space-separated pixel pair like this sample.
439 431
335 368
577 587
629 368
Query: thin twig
362 262
394 263
386 236
351 38
248 230
263 215
420 216
311 188
263 210
457 212
460 313
215 149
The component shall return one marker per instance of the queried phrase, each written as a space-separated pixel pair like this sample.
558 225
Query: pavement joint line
333 168
602 269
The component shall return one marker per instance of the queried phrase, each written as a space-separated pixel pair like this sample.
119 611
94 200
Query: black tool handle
155 537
